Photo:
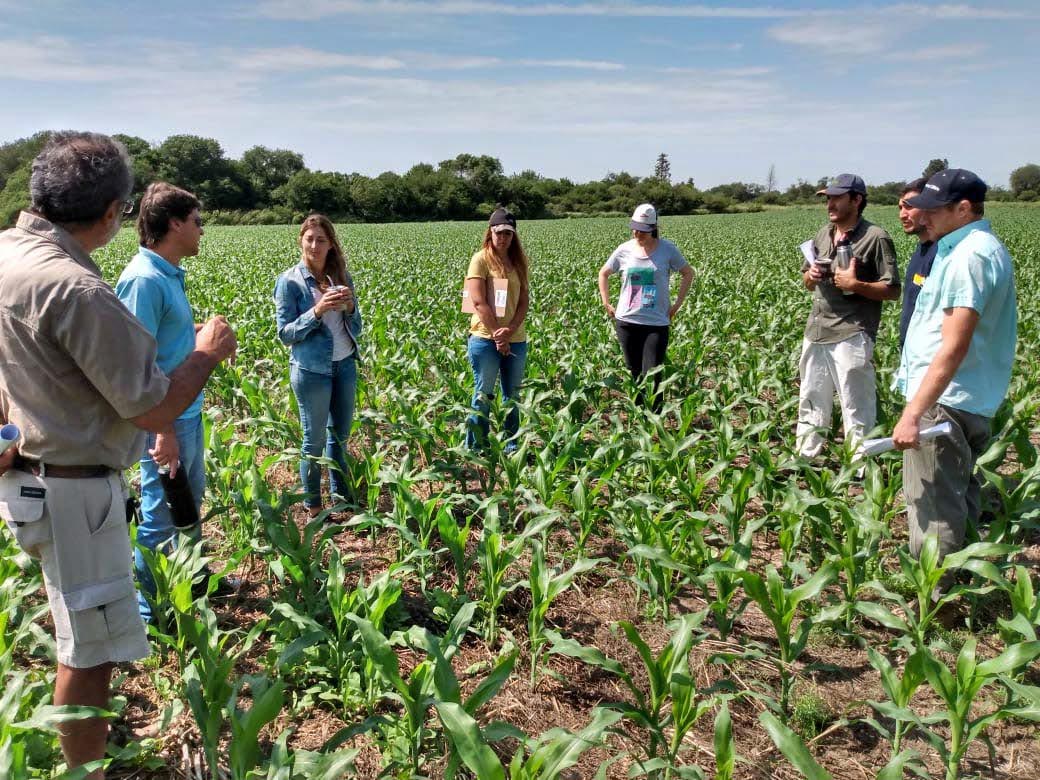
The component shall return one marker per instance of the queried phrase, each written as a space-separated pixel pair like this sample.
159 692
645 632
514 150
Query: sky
566 88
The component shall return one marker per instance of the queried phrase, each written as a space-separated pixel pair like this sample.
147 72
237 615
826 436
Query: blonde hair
335 260
517 257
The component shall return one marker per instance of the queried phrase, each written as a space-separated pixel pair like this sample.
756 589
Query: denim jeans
155 529
327 415
490 366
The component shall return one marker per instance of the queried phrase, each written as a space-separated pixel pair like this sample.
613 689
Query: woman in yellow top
497 347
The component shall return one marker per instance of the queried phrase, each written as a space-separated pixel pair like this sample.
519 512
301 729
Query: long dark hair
335 260
516 253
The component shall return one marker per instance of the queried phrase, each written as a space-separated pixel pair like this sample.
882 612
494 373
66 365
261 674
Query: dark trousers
644 347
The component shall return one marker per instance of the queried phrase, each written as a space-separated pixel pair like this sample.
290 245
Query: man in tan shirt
79 380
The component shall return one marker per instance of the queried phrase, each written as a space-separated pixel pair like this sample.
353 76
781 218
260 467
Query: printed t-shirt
478 269
645 296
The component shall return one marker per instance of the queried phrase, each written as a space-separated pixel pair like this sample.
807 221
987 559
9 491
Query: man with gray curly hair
80 382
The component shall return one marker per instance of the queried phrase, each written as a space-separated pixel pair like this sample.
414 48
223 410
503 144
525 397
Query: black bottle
179 500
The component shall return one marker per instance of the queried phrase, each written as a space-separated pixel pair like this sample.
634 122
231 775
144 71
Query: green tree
143 165
663 168
934 166
15 195
199 165
329 193
1025 179
268 169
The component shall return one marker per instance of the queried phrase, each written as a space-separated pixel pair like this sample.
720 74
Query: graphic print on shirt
642 292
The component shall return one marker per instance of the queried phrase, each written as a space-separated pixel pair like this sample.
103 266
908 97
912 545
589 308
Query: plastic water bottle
179 500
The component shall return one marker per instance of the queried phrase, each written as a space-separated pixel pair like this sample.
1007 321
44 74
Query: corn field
627 595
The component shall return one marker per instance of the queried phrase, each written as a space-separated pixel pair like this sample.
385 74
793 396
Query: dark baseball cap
846 182
950 186
502 219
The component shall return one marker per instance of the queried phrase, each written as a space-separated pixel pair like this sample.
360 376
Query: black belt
35 467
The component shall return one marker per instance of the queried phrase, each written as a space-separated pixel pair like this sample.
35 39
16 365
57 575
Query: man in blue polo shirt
920 264
956 363
152 288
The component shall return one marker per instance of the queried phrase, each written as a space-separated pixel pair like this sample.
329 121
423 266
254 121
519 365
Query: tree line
274 186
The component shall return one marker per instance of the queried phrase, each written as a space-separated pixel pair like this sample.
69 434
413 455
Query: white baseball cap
644 218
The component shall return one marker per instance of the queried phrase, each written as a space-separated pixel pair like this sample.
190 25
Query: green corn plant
496 553
432 685
959 688
648 525
207 675
900 689
545 585
297 557
180 567
793 748
557 750
1019 497
246 723
671 707
1025 609
335 651
780 602
454 537
854 550
285 764
926 574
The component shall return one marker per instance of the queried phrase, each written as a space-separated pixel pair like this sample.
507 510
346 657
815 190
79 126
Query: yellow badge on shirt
919 280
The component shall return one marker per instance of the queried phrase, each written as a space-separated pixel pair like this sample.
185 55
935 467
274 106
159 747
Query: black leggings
644 347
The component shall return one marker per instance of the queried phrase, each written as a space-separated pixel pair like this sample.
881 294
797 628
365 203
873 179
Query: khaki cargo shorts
76 529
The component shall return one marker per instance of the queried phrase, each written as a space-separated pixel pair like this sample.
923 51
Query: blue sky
566 88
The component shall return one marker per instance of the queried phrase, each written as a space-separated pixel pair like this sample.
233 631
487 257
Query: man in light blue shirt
152 287
956 363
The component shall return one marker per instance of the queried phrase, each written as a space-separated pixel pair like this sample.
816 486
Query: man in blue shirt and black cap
920 265
956 363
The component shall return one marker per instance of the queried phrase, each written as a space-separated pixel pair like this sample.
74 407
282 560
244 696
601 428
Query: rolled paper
8 435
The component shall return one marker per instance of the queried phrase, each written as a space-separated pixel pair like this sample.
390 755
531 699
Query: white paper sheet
872 447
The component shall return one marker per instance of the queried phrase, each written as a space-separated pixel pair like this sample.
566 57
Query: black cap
950 186
502 217
847 182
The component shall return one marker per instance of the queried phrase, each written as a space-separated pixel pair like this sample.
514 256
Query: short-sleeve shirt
917 270
836 316
76 364
152 289
645 298
478 269
973 270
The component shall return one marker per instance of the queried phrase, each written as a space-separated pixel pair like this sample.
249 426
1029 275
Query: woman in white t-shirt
644 310
318 317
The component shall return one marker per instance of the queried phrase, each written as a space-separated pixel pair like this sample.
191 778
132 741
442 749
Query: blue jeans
327 415
156 529
490 366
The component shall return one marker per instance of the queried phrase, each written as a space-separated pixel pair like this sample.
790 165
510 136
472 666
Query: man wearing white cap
644 311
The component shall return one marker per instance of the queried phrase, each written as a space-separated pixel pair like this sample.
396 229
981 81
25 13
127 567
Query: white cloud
954 53
429 61
296 9
302 58
748 72
46 59
835 37
573 64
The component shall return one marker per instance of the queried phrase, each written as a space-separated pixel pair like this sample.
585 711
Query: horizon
569 90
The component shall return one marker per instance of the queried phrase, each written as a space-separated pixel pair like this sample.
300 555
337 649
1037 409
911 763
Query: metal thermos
842 259
179 500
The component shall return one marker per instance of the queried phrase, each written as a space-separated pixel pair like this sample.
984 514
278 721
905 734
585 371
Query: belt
35 467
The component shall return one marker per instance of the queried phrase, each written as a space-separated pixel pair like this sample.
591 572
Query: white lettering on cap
932 187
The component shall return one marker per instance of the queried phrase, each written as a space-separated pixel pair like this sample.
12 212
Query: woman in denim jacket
318 318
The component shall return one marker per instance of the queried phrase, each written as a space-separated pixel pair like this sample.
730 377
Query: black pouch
132 505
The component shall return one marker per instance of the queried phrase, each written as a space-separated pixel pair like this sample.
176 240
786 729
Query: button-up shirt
74 363
972 269
152 288
836 316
